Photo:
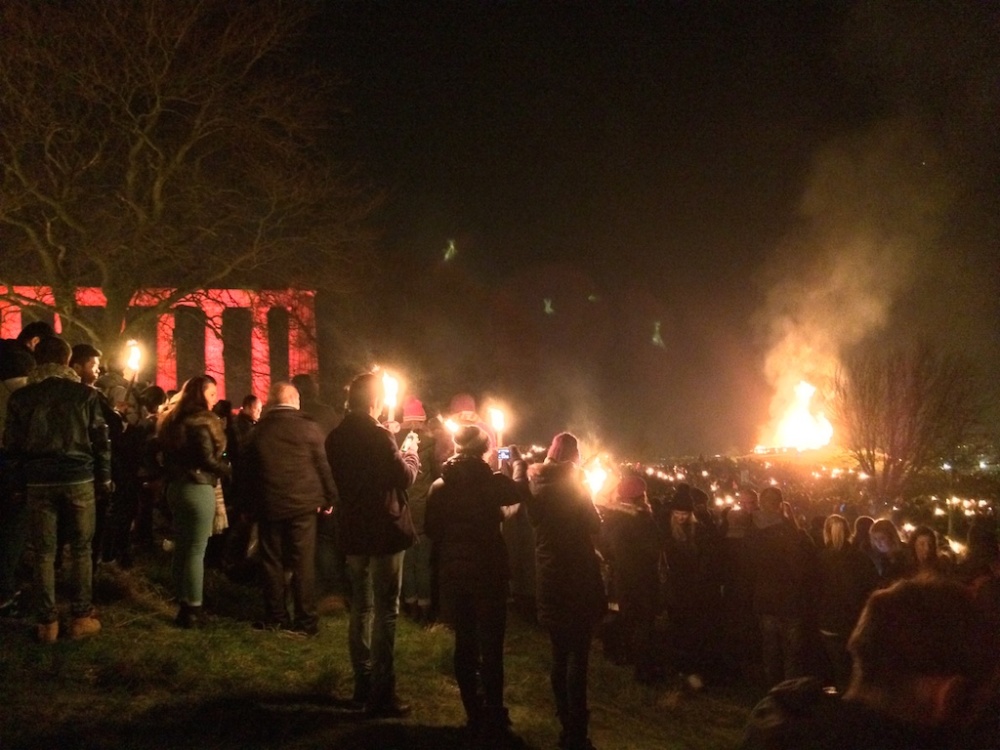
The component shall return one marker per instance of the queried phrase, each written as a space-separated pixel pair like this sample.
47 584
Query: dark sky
764 185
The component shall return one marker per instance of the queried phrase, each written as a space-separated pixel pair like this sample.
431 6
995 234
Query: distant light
983 464
940 512
450 251
549 310
946 466
657 336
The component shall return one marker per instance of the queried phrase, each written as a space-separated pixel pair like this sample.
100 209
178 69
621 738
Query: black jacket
55 431
464 513
783 568
570 589
286 471
194 449
372 477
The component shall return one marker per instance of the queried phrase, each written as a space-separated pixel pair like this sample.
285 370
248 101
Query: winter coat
464 513
55 431
372 477
846 578
194 449
631 540
417 493
570 589
285 471
782 563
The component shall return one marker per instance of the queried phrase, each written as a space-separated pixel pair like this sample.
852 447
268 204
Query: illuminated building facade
242 338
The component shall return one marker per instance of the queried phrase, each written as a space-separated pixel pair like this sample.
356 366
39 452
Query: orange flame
801 427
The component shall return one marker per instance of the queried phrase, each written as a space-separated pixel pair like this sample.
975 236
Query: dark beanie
682 499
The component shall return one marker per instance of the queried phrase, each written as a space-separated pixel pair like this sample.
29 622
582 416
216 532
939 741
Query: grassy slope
147 684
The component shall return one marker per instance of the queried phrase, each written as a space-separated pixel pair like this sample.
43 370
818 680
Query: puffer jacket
55 432
194 450
570 588
464 513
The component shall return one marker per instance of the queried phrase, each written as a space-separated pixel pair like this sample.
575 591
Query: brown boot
48 632
84 627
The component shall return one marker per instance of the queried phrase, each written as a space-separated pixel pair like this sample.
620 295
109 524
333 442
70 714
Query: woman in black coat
465 509
571 599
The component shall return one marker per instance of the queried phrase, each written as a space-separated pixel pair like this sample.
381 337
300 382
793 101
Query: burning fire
800 427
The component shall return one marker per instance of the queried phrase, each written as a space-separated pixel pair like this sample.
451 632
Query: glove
221 521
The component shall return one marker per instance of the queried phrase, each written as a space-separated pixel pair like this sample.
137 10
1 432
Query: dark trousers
479 621
782 648
289 544
570 659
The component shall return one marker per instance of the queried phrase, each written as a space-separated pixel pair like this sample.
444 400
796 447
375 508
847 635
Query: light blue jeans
75 504
193 506
375 584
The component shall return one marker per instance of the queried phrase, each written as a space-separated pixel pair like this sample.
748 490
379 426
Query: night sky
660 210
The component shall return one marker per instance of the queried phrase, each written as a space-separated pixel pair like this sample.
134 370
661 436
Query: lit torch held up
391 387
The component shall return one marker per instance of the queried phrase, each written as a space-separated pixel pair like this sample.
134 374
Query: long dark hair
190 400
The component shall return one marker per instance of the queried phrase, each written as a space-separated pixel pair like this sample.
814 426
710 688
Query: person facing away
193 445
465 509
571 598
925 673
57 440
289 480
374 530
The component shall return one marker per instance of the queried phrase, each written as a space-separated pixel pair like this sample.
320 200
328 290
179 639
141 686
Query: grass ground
144 683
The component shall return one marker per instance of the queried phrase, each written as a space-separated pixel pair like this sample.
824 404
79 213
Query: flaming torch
133 361
596 476
391 387
498 421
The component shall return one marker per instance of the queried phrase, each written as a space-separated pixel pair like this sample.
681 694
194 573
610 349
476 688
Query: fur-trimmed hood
43 372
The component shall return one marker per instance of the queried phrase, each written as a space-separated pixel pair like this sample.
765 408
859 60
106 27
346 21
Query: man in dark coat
465 508
57 441
374 530
289 480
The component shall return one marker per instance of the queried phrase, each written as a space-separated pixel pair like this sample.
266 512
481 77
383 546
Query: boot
189 617
48 632
495 730
84 627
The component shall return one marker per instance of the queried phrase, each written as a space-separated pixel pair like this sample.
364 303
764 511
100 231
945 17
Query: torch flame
452 426
596 476
134 356
497 419
391 386
799 427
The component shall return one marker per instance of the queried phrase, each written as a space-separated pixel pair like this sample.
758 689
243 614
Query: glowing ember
452 426
597 475
800 427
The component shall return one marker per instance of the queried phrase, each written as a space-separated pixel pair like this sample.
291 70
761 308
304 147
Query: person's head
152 398
197 394
252 406
472 440
749 500
771 499
33 333
224 408
52 350
924 545
862 525
284 394
564 447
85 359
632 490
884 537
365 394
923 652
414 416
681 504
307 388
836 531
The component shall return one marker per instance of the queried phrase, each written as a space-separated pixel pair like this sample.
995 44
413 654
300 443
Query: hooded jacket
464 514
55 431
570 589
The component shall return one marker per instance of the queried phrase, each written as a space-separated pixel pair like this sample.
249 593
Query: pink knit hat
413 410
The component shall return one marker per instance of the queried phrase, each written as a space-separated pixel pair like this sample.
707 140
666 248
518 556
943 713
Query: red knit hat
564 448
631 487
463 403
413 410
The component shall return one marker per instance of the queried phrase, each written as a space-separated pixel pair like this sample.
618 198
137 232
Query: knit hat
631 487
413 410
564 448
682 499
462 404
472 441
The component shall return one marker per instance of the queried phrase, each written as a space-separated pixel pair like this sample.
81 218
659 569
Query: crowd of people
847 632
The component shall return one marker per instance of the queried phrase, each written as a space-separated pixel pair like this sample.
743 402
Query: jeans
375 584
570 660
75 505
290 544
479 622
331 564
782 648
417 572
193 506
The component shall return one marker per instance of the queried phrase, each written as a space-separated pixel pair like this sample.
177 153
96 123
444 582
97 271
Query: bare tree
168 143
902 411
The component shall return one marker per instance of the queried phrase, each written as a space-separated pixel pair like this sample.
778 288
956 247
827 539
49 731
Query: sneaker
300 631
268 626
48 632
84 627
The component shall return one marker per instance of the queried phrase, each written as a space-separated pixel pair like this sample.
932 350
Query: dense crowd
851 632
